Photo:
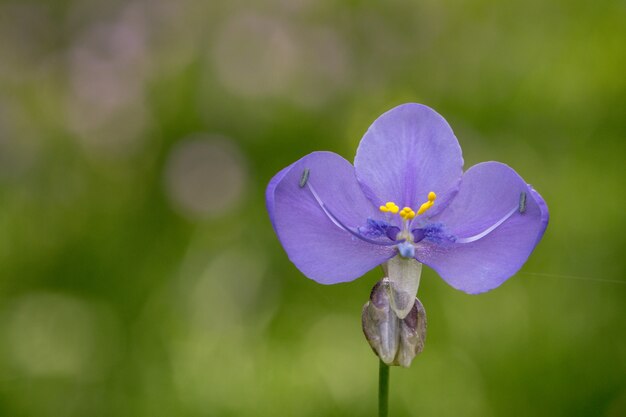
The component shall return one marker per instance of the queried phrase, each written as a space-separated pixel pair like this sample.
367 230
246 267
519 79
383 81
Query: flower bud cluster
395 341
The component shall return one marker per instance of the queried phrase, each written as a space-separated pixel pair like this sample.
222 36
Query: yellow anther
407 213
392 207
431 200
424 207
389 207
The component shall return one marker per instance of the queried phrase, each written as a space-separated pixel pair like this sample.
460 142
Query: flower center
407 213
406 248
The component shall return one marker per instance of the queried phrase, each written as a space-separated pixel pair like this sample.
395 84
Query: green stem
383 388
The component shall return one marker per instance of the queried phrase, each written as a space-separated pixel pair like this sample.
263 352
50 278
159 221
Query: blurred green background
140 276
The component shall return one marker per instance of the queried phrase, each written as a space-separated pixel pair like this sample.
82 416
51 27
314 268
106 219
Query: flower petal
269 192
406 153
491 194
316 244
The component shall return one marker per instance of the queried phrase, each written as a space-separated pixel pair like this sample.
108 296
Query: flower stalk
383 389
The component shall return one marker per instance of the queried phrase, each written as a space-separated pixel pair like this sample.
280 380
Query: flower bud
395 341
412 335
380 324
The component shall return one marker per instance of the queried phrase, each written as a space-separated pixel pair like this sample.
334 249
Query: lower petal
317 245
491 194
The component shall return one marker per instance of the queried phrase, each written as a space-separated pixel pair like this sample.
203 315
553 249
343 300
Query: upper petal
406 153
490 195
322 250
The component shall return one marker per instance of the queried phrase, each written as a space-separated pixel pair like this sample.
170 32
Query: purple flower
406 197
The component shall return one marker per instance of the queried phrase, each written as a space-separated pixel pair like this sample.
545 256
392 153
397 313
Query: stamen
407 213
305 177
342 226
431 200
389 207
489 229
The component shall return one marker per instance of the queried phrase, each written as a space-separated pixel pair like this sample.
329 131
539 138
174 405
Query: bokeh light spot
255 55
205 176
51 335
